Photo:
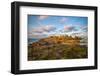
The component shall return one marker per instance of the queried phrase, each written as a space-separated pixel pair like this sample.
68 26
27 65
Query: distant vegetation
57 47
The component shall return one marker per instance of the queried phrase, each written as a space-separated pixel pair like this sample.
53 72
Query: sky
41 26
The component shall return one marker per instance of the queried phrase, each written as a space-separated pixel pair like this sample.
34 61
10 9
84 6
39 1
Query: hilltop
52 40
57 47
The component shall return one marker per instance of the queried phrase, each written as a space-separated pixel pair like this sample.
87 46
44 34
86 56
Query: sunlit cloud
42 17
37 36
68 28
80 34
45 28
62 20
41 31
85 28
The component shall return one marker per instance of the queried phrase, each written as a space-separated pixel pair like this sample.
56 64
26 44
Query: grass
55 47
58 51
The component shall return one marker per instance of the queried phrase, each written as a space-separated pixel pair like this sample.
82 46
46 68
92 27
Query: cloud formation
81 34
40 26
62 20
37 36
85 28
42 17
69 28
41 29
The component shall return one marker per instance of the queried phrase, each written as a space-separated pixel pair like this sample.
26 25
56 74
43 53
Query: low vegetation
57 47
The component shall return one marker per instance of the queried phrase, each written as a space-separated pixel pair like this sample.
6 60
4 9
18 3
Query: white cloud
80 33
69 28
62 20
43 17
41 31
74 30
37 36
45 28
85 28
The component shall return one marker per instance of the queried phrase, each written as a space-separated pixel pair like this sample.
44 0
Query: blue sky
40 26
